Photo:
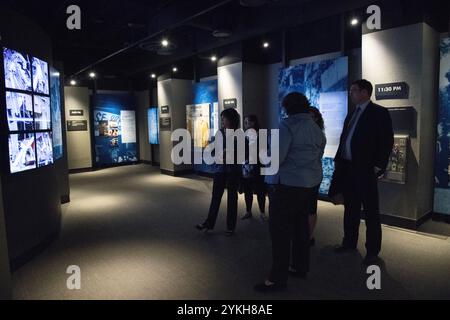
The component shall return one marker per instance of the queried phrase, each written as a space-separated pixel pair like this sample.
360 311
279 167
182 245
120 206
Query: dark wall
62 166
31 199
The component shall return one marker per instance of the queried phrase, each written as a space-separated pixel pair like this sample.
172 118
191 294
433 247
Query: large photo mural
442 163
114 129
325 84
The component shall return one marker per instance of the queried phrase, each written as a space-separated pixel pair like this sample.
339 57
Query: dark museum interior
95 206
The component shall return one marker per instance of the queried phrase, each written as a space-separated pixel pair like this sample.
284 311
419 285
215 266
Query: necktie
349 127
353 119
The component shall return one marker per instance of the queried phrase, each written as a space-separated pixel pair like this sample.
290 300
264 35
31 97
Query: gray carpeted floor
131 231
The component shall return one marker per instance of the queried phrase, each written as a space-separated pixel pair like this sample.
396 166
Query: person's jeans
223 180
289 230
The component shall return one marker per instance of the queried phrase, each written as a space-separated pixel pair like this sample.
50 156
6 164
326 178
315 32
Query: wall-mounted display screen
55 102
17 70
325 84
19 110
29 111
22 155
153 125
40 76
44 148
442 161
42 115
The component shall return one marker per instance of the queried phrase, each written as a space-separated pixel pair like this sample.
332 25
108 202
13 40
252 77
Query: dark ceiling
134 28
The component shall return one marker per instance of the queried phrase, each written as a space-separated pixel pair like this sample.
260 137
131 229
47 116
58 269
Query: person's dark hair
317 116
296 102
363 84
253 118
233 116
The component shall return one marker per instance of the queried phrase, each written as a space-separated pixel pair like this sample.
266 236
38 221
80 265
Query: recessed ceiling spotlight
213 58
92 75
174 69
354 22
73 83
153 76
165 42
266 44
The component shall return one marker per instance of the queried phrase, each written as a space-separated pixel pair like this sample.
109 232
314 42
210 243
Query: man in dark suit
366 143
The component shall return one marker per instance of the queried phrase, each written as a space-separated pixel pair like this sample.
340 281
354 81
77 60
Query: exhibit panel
77 115
114 123
202 120
28 111
325 85
173 96
30 180
55 102
402 65
442 162
153 125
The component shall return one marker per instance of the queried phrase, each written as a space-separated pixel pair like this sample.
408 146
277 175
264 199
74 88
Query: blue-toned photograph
325 84
44 148
109 130
442 162
40 76
153 125
17 70
206 92
19 110
42 114
22 154
55 103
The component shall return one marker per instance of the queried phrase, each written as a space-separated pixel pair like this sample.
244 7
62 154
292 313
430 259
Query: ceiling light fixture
266 44
165 42
354 22
213 58
174 69
92 75
73 83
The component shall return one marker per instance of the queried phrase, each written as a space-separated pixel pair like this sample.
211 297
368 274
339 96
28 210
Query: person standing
318 119
363 154
226 176
252 181
301 147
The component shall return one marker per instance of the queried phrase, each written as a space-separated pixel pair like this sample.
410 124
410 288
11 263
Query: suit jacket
371 144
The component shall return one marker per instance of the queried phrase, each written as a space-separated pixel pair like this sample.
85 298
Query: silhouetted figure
365 146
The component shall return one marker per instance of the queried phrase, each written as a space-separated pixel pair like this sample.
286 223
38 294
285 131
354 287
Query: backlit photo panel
44 148
17 70
42 117
40 76
19 110
22 155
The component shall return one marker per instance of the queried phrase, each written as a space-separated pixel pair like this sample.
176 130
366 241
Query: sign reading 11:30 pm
396 90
